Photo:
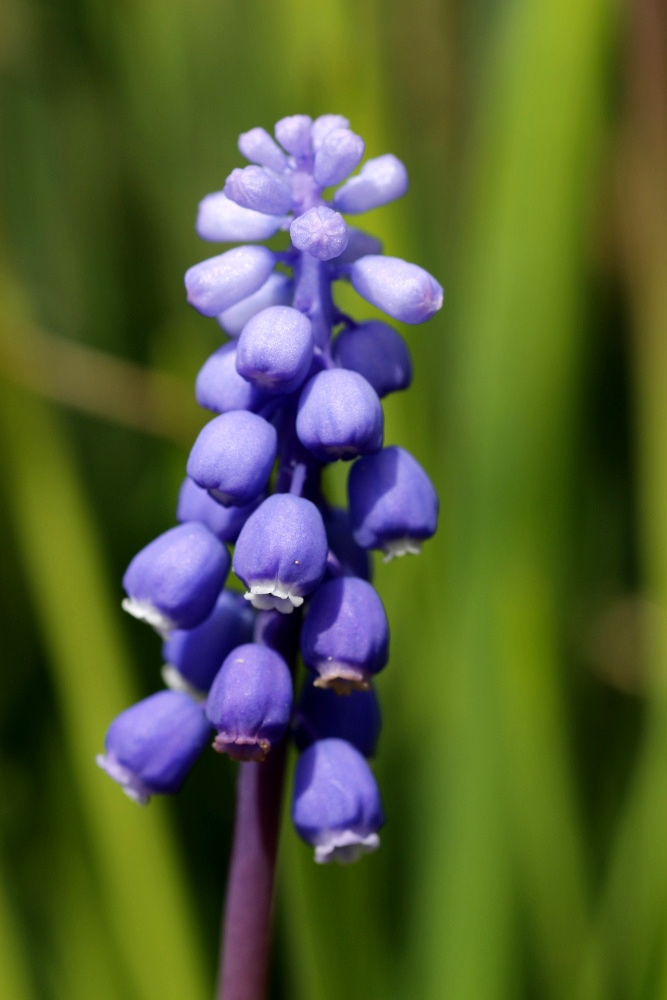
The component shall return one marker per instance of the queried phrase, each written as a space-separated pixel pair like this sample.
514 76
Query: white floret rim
146 611
396 547
131 783
344 846
272 596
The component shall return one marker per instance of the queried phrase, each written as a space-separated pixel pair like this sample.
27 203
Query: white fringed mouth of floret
344 846
131 784
396 547
271 595
146 611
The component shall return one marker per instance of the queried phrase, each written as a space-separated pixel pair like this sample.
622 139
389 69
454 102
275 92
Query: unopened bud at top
254 187
379 181
337 156
220 282
258 147
402 290
223 221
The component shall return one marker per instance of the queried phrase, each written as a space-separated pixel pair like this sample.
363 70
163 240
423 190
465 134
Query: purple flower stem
246 931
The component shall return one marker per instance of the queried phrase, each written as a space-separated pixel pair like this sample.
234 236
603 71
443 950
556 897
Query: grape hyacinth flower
298 387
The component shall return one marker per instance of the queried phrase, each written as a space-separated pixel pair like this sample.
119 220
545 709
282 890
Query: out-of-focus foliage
523 761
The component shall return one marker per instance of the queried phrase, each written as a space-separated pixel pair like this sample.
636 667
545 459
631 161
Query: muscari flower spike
297 388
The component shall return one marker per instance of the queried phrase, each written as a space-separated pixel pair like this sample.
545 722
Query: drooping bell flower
336 802
281 552
393 504
275 350
345 634
250 702
233 457
150 748
175 580
339 416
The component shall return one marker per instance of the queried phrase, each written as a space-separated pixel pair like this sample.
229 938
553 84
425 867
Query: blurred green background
523 762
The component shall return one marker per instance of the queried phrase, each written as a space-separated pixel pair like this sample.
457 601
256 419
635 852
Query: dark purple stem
246 931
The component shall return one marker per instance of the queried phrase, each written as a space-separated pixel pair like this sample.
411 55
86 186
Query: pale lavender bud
336 803
345 636
339 416
393 504
175 580
220 282
233 457
275 349
321 232
379 181
223 221
281 552
151 747
404 291
377 352
220 388
196 504
258 147
254 187
325 124
250 702
337 156
294 134
276 291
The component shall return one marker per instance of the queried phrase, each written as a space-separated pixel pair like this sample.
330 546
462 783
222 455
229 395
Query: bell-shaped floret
256 188
220 282
321 714
352 558
340 416
405 291
175 580
376 351
275 349
359 244
325 124
220 220
193 657
393 503
220 388
281 552
379 181
337 156
258 147
250 702
294 134
233 457
336 802
345 636
276 291
151 747
321 232
197 504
